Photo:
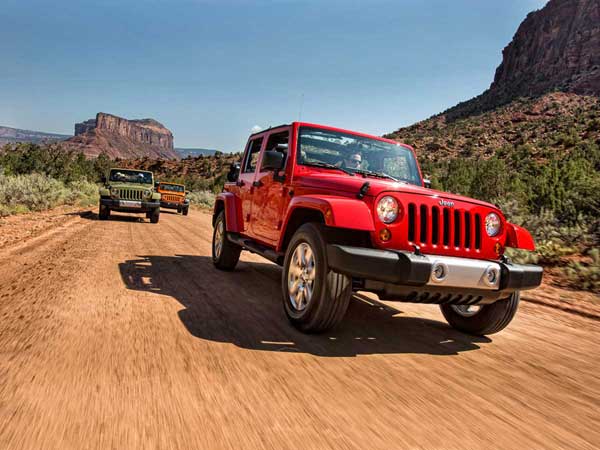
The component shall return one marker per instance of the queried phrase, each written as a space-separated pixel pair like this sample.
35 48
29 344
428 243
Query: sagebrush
38 192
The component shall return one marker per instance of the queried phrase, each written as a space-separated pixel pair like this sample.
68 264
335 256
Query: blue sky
210 70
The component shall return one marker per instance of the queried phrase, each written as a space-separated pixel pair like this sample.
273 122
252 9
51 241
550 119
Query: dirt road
121 334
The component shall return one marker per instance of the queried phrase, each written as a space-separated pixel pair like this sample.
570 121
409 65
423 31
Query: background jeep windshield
171 187
130 176
356 153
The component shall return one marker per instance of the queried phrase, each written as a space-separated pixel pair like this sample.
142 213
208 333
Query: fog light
498 248
439 272
491 275
385 235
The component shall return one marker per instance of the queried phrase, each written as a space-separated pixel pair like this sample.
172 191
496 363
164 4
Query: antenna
301 106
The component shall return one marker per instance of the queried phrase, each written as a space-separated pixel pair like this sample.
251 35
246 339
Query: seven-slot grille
433 225
171 198
131 194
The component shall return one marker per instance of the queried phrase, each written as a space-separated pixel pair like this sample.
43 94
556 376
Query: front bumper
172 205
432 278
129 206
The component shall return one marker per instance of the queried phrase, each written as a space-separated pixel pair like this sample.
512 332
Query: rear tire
489 319
315 299
155 215
103 212
225 254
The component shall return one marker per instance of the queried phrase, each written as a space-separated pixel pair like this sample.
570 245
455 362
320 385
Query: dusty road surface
121 334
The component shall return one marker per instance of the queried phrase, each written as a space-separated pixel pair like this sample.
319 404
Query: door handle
257 183
239 183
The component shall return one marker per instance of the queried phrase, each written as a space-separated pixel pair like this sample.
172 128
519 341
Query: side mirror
234 172
427 183
187 192
156 184
272 160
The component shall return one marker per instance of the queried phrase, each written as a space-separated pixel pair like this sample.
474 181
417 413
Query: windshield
356 154
171 187
130 176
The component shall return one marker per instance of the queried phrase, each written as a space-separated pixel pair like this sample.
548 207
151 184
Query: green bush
204 199
51 160
37 192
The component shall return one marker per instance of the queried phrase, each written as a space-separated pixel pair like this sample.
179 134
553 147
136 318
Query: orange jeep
173 196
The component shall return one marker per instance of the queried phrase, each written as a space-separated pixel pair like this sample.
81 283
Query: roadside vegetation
38 192
36 178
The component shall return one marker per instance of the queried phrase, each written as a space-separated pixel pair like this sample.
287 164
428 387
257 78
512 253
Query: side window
252 156
279 142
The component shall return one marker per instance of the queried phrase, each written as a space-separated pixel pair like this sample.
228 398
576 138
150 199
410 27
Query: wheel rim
219 236
466 310
301 276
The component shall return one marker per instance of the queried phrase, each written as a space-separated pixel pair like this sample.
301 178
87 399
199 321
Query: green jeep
129 190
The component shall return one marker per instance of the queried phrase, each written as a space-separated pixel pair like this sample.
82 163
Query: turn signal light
385 235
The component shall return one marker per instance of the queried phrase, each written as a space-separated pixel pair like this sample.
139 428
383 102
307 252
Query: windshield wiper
326 166
375 174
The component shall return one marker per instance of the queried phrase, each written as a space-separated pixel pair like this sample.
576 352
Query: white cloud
256 129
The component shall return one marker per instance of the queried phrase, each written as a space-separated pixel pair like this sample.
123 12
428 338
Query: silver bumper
447 271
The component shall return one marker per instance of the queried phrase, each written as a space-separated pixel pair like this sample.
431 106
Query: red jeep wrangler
343 211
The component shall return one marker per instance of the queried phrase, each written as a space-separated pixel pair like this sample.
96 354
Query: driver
352 161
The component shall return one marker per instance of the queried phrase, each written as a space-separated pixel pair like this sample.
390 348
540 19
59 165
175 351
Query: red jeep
343 211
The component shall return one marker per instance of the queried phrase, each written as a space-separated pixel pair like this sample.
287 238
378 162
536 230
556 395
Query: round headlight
114 192
147 193
492 224
387 209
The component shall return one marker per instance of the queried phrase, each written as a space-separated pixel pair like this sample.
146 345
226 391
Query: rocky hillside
197 173
122 138
10 135
554 49
547 124
547 84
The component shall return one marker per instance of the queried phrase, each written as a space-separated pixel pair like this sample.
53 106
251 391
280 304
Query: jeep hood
343 183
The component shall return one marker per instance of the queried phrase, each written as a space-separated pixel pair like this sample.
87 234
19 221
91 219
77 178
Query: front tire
103 212
185 211
487 319
315 299
225 254
155 215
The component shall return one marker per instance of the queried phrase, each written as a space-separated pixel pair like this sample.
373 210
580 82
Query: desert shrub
204 199
34 192
82 193
585 275
38 192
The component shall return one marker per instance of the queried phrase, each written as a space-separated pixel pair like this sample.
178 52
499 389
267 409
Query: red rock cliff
556 48
123 138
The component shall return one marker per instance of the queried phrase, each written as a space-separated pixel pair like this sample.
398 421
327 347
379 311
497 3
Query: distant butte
122 138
